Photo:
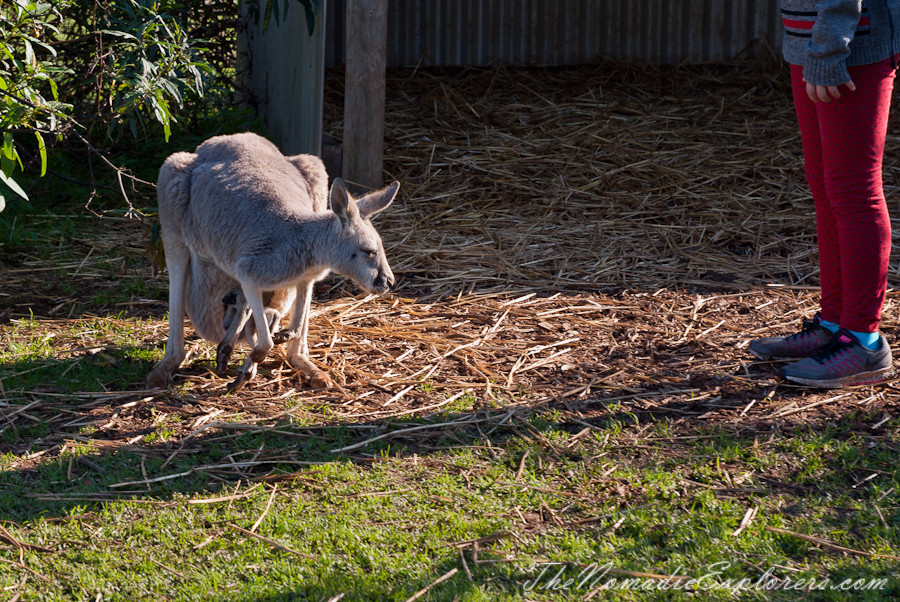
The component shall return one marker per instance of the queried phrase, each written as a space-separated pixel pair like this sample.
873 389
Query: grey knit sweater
827 36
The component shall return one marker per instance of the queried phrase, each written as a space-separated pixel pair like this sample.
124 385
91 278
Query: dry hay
481 361
599 239
614 175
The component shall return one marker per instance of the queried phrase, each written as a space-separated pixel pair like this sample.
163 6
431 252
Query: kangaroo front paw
283 336
244 375
238 383
223 356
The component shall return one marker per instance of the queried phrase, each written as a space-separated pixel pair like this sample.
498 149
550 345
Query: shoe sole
863 378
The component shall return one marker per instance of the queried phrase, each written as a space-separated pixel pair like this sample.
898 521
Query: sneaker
842 362
801 344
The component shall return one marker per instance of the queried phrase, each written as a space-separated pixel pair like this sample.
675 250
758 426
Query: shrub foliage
97 70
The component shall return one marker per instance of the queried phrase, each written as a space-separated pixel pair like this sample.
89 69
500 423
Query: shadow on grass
132 445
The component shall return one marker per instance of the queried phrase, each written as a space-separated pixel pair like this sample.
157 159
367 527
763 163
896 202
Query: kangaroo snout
383 282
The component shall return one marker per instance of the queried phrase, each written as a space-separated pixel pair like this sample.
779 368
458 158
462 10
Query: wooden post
285 69
366 58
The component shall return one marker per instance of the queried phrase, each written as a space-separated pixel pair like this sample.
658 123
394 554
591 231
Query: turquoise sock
829 325
869 340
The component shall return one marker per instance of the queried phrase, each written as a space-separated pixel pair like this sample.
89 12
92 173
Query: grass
30 355
383 528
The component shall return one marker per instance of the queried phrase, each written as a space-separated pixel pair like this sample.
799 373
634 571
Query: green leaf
7 165
42 149
172 89
310 11
148 67
267 15
29 53
120 34
46 47
198 79
13 185
9 147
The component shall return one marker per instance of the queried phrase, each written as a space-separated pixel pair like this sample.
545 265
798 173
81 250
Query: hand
826 93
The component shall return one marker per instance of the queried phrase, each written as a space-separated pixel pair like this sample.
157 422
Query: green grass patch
565 521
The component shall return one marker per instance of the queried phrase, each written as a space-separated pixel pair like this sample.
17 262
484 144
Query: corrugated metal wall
282 72
564 32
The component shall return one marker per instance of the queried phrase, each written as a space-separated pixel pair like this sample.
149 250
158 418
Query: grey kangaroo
238 217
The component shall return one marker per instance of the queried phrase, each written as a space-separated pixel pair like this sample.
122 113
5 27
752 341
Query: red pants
843 144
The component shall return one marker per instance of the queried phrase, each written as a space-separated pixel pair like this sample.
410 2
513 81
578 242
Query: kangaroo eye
369 252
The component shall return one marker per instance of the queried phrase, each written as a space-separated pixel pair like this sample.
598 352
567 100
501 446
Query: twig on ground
827 544
437 581
745 522
271 542
168 568
266 511
403 431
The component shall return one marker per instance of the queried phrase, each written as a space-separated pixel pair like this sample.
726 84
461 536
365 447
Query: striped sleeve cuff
825 73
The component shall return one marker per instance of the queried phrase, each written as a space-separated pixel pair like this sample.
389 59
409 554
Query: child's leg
852 132
830 277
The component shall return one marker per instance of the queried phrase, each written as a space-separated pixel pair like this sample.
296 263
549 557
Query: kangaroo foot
317 379
258 356
161 377
320 380
223 356
283 336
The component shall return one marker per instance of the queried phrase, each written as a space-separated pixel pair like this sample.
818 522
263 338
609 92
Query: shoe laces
808 327
841 340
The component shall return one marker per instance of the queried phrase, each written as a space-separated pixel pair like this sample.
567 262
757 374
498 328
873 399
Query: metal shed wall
564 32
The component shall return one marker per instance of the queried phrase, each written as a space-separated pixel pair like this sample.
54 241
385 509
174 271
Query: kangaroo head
360 255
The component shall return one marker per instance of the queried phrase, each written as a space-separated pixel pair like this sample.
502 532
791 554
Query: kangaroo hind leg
298 348
178 259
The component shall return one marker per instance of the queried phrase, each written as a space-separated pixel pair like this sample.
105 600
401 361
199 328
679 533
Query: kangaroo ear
377 201
342 203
